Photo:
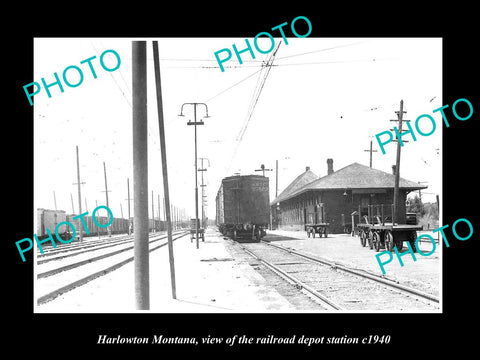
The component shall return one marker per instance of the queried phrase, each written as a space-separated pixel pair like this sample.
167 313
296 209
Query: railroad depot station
228 276
338 195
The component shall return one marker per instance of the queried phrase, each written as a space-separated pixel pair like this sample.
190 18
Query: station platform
208 280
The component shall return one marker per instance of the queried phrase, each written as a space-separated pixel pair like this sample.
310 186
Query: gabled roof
356 176
300 181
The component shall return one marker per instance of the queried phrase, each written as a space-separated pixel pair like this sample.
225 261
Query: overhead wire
230 87
319 50
256 95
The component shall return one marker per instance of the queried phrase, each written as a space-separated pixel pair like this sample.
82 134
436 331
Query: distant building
340 193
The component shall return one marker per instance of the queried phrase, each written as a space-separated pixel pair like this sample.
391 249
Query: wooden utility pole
161 125
262 169
202 185
128 199
276 178
79 198
140 175
159 217
106 186
397 168
73 208
106 194
371 151
153 214
98 229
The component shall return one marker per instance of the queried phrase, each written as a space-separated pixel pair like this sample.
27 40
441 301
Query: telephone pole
106 194
397 167
128 200
203 192
161 126
106 187
371 151
79 183
159 216
140 175
153 214
276 178
71 198
262 169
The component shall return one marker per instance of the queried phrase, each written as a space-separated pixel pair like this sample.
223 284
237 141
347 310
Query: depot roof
300 181
353 176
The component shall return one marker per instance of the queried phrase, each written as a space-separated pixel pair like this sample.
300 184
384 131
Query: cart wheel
363 238
325 232
388 241
398 244
412 237
370 239
376 241
234 235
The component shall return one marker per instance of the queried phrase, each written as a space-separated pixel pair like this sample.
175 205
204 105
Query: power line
253 103
281 58
319 50
256 94
116 83
221 92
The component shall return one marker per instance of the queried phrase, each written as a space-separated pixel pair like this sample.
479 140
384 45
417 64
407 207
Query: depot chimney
330 166
307 168
394 169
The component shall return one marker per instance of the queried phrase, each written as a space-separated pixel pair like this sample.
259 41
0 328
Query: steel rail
52 251
52 295
295 281
358 273
97 246
90 260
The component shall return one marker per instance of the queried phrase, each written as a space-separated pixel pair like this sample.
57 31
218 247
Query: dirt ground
423 273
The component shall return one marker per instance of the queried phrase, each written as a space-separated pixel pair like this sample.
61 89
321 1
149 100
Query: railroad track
338 287
57 277
49 250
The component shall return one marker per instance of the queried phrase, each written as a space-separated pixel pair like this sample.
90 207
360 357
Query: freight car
242 207
118 226
49 219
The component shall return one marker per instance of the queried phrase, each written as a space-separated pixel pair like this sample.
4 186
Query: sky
322 98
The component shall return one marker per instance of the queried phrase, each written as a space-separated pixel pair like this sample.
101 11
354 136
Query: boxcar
49 219
242 207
